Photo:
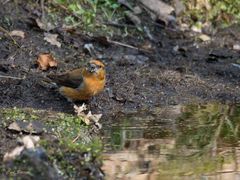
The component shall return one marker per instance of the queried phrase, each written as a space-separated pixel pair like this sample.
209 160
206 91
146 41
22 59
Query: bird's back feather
71 79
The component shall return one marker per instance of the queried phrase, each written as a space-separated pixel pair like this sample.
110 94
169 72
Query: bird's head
95 66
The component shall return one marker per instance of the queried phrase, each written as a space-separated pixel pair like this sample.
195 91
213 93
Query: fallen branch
12 77
127 45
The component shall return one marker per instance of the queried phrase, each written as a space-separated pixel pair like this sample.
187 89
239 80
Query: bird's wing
71 79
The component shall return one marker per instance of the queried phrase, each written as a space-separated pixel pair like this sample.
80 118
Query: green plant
87 11
223 12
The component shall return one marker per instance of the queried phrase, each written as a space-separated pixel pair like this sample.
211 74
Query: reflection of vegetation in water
116 139
118 135
202 125
200 139
193 165
205 134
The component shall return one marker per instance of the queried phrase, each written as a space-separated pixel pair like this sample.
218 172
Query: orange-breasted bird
82 84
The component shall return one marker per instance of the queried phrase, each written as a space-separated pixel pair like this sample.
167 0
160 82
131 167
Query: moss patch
68 142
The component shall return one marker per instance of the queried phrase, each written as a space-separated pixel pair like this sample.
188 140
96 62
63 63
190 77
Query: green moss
67 137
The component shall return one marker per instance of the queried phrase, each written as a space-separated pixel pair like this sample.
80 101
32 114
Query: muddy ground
196 72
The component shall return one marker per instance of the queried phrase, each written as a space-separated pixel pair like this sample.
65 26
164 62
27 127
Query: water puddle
178 142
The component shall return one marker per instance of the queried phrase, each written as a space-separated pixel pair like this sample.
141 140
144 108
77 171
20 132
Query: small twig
12 77
6 32
115 24
76 138
43 12
127 45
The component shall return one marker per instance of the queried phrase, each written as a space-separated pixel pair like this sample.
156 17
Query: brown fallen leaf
45 61
17 33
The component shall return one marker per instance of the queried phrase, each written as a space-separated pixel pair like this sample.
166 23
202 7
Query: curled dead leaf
88 118
45 61
17 33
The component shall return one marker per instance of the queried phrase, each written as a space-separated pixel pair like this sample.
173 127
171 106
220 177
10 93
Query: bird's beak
92 68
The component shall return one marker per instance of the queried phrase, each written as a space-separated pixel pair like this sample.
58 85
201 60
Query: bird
83 83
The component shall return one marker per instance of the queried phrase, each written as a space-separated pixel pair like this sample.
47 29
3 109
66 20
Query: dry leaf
93 117
45 61
52 39
44 25
89 118
204 37
79 109
86 121
17 33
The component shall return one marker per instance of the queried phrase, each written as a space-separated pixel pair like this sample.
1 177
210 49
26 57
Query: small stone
236 47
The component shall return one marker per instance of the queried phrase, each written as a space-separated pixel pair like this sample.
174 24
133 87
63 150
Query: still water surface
177 142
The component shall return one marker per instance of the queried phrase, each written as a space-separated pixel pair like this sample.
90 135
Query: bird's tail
48 83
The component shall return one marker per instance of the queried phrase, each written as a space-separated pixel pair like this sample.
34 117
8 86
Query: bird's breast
93 85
